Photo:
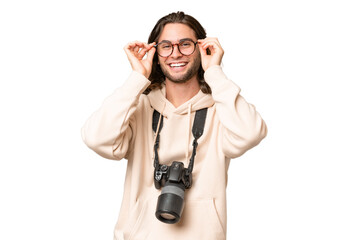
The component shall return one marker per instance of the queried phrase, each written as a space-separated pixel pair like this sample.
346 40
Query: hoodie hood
159 102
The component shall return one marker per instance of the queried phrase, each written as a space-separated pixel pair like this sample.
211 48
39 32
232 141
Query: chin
179 78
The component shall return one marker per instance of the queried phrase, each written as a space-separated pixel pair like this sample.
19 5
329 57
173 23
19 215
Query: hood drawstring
188 133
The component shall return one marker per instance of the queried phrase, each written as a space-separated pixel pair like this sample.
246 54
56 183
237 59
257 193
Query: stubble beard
189 74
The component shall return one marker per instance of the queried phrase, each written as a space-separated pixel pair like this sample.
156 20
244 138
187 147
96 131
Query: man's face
178 67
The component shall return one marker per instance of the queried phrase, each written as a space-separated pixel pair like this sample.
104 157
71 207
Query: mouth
177 65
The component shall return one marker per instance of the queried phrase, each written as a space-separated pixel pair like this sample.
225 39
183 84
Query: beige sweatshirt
122 128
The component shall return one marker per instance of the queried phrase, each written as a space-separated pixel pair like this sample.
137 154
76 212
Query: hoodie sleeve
242 126
109 130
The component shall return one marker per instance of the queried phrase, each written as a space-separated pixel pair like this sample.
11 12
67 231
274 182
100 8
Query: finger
208 43
134 45
147 47
130 51
152 44
151 54
202 51
142 53
136 49
210 39
130 45
208 50
212 48
144 50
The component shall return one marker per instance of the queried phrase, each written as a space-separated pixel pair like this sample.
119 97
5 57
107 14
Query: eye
165 46
186 44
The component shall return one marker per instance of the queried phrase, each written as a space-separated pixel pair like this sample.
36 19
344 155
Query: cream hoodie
122 128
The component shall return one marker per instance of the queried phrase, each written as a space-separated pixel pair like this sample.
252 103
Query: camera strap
155 122
197 131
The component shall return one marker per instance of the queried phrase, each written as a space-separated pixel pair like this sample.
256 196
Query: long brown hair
157 77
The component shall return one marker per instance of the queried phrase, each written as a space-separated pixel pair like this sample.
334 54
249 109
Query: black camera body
176 173
174 180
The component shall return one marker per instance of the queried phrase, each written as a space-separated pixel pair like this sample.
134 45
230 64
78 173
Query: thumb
203 52
151 54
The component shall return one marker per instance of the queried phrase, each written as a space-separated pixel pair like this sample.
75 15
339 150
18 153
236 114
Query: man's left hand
216 52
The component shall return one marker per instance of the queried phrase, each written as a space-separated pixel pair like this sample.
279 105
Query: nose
176 52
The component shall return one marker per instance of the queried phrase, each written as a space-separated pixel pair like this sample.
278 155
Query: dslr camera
174 179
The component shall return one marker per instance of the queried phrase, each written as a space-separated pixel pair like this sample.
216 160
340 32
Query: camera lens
170 203
167 216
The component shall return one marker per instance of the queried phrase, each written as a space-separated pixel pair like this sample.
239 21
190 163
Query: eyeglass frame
172 46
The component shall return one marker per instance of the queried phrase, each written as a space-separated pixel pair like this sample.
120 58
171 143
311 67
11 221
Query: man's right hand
135 52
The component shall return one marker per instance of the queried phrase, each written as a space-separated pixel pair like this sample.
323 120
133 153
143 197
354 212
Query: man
175 74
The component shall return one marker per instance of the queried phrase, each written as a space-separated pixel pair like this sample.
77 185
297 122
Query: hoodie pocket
200 220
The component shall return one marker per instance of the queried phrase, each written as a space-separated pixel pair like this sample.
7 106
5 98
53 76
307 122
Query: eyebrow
181 40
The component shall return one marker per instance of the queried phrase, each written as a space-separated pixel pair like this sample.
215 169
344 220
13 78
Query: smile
178 65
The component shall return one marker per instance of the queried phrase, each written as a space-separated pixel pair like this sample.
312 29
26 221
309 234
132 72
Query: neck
179 93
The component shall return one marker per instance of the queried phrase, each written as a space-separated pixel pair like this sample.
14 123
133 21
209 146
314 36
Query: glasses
186 47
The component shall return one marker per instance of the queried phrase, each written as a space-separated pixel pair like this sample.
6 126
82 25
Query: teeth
177 64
